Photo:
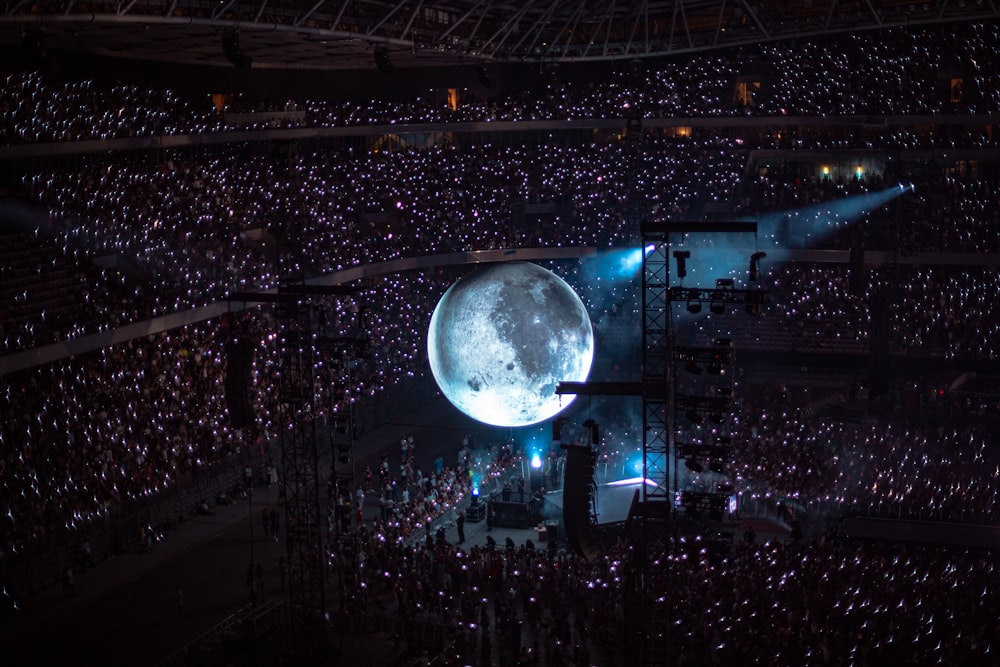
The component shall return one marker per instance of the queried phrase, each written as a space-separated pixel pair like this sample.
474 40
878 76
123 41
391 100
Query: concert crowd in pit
85 434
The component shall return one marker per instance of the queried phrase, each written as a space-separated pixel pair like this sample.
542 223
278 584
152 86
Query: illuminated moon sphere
503 337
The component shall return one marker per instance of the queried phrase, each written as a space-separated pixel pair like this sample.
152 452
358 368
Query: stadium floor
125 610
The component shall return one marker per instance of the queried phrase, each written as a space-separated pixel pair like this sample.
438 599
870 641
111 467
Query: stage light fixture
717 466
693 417
717 307
694 465
755 265
682 256
694 307
692 368
754 300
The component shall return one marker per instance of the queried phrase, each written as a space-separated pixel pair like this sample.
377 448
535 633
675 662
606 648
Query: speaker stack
578 489
234 53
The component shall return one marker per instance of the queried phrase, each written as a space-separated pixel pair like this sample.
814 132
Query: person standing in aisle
460 526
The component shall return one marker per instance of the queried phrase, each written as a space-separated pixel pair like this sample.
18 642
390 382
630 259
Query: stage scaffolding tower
662 405
300 474
298 312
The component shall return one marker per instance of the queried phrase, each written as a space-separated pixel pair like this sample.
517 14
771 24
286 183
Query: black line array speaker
557 425
239 360
234 53
483 74
578 489
33 45
382 61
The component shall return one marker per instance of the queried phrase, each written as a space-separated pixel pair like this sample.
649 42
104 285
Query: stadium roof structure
348 34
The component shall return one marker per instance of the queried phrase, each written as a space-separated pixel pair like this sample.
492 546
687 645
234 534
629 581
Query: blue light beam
728 255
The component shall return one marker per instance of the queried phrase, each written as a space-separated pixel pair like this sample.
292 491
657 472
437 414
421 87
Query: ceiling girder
569 34
389 15
260 11
305 17
221 10
336 21
537 29
505 30
439 30
443 36
413 16
753 16
829 16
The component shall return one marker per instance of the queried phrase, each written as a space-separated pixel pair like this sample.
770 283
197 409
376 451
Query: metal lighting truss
718 295
299 349
702 504
655 370
717 451
300 476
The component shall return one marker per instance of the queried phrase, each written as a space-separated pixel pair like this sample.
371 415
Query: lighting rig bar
703 403
721 354
707 295
714 504
689 450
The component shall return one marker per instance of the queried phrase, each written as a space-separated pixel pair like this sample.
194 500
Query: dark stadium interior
224 228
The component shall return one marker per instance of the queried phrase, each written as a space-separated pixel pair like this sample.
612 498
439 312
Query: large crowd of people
84 434
935 462
445 200
183 223
904 72
825 602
